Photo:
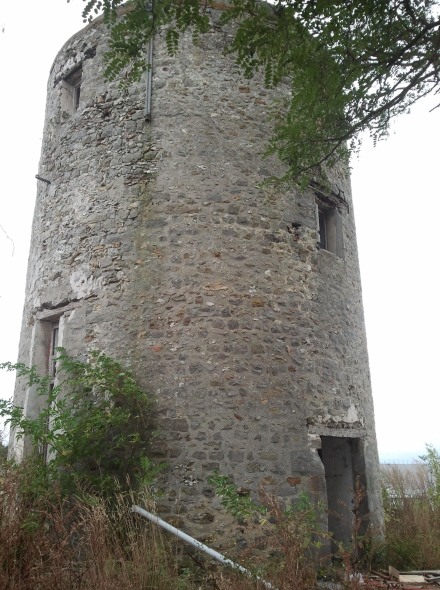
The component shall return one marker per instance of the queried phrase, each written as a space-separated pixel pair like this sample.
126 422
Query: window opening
53 351
52 372
76 95
47 336
71 90
322 228
329 226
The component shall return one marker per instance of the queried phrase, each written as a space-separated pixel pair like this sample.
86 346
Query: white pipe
198 544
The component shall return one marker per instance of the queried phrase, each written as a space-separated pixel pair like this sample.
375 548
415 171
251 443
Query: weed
292 536
412 513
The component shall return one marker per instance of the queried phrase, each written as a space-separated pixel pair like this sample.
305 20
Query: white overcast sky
397 207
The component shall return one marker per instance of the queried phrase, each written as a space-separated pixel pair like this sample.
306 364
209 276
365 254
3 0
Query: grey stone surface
157 243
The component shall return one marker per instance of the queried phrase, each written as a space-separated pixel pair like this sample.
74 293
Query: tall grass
50 543
412 514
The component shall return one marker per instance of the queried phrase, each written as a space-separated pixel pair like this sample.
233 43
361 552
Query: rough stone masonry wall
158 245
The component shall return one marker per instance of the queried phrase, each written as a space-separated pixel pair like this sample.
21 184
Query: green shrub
95 429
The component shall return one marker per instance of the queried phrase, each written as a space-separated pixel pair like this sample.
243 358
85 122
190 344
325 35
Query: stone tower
238 306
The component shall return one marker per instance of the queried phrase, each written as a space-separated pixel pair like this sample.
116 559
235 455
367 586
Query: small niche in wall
71 90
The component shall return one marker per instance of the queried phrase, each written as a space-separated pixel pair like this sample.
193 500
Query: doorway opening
344 468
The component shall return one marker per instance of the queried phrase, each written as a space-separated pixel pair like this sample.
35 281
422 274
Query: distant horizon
401 458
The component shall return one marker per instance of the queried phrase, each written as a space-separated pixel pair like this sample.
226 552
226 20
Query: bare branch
10 239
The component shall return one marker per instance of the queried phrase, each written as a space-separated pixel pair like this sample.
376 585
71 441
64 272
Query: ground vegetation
66 519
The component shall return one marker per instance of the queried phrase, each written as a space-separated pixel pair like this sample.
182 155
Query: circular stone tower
239 307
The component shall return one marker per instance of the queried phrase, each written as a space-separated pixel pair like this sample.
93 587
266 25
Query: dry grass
287 552
49 543
412 512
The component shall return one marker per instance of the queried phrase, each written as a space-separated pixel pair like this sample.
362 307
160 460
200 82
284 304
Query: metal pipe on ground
198 545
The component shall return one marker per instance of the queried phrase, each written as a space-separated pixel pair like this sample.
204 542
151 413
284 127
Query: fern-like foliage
350 66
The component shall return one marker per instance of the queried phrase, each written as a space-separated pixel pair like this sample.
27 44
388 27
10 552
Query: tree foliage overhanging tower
237 305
